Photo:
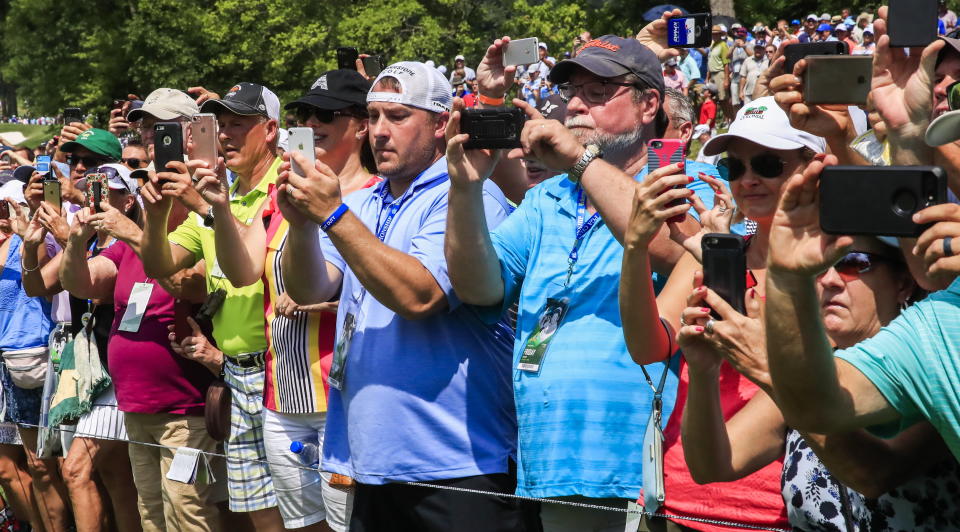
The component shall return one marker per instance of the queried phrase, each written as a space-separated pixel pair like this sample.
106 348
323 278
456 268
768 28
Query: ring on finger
948 246
709 326
683 322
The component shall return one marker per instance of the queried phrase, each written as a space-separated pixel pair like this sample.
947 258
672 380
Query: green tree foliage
88 53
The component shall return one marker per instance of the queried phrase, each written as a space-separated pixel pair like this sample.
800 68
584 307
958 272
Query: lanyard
583 227
391 211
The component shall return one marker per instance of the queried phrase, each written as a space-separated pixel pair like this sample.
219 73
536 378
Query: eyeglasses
858 262
765 165
953 95
133 162
324 116
88 162
592 92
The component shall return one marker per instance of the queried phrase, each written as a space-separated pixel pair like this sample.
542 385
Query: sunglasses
133 162
88 162
855 263
325 116
765 165
953 96
113 176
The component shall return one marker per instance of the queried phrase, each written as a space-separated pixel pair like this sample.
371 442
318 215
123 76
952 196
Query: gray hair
681 108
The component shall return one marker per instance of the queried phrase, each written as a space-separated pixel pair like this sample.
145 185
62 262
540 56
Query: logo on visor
755 112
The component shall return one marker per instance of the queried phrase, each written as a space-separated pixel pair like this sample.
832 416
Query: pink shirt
676 81
754 499
149 377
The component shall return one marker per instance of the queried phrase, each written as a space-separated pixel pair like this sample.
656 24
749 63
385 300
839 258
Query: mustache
577 121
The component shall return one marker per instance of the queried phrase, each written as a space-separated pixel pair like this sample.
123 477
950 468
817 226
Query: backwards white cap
420 86
763 121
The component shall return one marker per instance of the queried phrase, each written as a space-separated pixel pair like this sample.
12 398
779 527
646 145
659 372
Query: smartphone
796 52
837 79
347 58
664 152
725 268
690 31
167 144
4 209
181 327
96 191
42 164
912 22
878 200
492 128
373 65
51 193
203 134
71 115
301 141
521 52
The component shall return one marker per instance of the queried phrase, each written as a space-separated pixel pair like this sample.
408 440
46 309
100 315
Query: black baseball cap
611 56
246 99
334 90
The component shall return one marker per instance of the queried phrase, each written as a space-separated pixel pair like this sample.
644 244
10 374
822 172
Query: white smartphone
521 52
301 141
203 137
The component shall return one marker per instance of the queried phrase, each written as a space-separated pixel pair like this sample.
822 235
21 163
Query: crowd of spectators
397 332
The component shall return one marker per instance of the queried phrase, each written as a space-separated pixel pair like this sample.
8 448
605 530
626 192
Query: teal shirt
915 363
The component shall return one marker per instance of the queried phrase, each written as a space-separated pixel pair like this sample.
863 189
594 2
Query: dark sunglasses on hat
765 165
858 262
89 162
113 176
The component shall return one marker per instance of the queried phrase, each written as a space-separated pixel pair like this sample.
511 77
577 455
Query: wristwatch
591 152
208 218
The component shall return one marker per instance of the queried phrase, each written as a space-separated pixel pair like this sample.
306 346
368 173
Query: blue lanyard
391 211
583 227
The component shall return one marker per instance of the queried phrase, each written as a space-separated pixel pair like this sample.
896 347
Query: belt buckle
249 360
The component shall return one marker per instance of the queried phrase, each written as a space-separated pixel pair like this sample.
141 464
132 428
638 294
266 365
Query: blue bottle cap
296 447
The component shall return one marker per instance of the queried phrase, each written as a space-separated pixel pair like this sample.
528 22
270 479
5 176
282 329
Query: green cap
99 141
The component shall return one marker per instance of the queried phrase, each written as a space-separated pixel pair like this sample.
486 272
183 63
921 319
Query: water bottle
308 453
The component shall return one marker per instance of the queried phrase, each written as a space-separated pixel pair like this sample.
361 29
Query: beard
608 142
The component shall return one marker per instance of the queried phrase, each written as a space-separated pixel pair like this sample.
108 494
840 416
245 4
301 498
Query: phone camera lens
657 145
713 241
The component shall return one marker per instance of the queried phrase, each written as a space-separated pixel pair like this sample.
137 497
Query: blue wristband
334 218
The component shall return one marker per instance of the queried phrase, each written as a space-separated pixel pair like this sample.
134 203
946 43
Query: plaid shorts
248 482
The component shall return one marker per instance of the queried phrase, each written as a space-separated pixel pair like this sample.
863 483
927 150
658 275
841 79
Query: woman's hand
54 222
115 223
715 220
738 338
651 204
196 347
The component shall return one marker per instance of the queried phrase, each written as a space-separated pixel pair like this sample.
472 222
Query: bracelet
485 100
24 268
591 152
334 218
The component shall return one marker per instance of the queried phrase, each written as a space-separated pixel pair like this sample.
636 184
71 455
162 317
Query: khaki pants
166 504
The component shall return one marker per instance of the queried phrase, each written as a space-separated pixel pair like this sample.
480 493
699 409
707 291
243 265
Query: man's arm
815 391
308 277
241 249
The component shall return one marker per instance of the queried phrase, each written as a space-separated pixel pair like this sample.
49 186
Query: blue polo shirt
583 416
915 363
421 400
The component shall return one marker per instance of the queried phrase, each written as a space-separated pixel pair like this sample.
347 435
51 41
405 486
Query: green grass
35 134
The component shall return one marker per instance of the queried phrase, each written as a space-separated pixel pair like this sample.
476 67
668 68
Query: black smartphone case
725 268
912 22
796 52
878 200
347 58
167 144
492 128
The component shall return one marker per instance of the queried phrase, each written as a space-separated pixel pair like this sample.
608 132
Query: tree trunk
722 7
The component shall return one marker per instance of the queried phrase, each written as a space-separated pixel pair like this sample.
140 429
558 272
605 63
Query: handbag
27 367
653 491
216 411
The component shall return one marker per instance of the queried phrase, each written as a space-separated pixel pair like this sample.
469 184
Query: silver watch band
591 152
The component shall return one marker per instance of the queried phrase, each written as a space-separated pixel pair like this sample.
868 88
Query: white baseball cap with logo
420 86
763 122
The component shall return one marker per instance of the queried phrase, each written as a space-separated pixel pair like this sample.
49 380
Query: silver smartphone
301 141
521 52
203 137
